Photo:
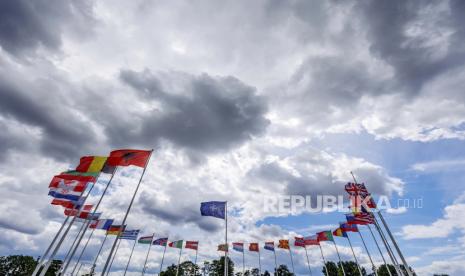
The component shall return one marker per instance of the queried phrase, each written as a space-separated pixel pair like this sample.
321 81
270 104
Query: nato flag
213 209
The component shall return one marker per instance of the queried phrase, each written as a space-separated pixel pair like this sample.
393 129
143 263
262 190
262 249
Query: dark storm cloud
26 25
211 114
416 60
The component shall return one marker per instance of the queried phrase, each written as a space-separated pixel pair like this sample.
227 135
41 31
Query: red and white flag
192 245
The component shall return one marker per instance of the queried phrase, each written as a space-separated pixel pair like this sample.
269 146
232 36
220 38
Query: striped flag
129 235
325 236
101 224
269 246
115 229
299 242
176 244
339 233
346 227
311 240
192 245
360 218
238 246
145 240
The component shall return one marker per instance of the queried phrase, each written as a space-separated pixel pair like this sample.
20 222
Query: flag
75 211
339 233
254 247
346 227
284 244
69 203
73 185
176 244
76 173
92 164
269 246
299 242
127 157
70 175
101 224
325 236
223 247
115 229
238 246
215 209
360 218
129 235
145 240
192 245
161 241
64 194
311 240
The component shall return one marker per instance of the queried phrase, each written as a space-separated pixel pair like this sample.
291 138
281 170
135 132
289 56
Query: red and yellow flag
91 164
284 244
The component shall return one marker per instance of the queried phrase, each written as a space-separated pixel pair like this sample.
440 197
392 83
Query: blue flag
215 209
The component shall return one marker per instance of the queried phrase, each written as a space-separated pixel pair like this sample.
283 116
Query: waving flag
361 218
81 177
101 224
115 229
192 245
145 240
64 194
223 247
339 233
73 211
325 236
91 164
176 244
238 246
127 157
73 185
284 244
70 204
346 227
299 242
161 241
129 235
311 240
269 246
254 247
215 209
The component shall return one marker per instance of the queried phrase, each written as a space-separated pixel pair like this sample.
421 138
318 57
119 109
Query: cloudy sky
240 100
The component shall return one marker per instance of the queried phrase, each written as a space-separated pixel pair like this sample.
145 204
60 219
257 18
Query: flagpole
114 255
82 251
308 261
226 262
79 269
179 261
407 268
275 262
98 253
130 256
355 257
292 261
324 261
163 258
195 262
339 256
243 261
381 253
73 249
368 252
259 263
147 256
65 260
92 216
127 212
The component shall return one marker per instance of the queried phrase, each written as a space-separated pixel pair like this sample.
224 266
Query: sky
241 101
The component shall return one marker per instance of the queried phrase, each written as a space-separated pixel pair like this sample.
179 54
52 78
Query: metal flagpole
127 213
98 253
339 256
73 249
65 260
226 262
259 263
92 216
407 268
163 258
369 256
308 261
41 260
275 262
243 261
355 257
82 251
324 261
79 269
292 261
147 256
195 262
114 255
381 253
130 256
179 261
